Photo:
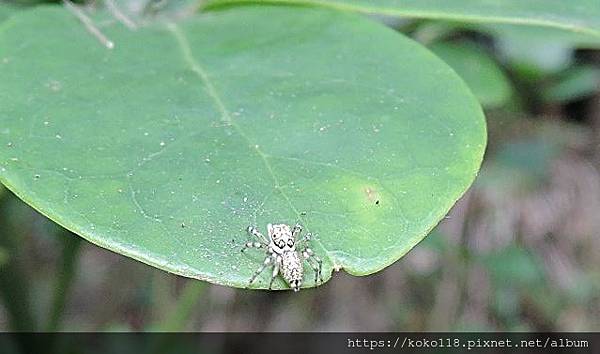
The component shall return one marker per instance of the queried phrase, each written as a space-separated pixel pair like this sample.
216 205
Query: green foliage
14 285
532 39
535 52
513 266
521 164
4 257
479 70
575 83
6 11
70 252
548 48
582 16
529 155
168 146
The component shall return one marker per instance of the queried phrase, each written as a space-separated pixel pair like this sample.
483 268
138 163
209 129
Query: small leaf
537 34
168 146
523 164
514 266
532 53
576 83
479 70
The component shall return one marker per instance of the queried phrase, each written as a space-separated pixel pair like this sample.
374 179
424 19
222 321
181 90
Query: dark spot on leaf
372 195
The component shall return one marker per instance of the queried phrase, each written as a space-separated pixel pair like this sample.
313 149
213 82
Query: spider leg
266 263
306 238
309 256
254 232
274 275
296 230
252 245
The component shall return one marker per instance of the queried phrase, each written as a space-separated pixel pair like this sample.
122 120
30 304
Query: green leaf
168 146
478 69
577 82
539 35
533 52
4 257
581 16
536 52
513 266
6 10
523 163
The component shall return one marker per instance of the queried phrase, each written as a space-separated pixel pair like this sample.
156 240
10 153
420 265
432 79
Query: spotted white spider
283 255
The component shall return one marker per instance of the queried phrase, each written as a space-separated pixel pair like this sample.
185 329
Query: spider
283 255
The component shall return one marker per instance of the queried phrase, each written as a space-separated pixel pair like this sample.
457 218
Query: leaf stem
183 308
14 287
71 245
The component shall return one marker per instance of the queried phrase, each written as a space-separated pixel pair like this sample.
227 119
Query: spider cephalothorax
283 254
282 238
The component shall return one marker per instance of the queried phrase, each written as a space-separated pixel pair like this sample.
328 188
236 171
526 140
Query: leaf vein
202 74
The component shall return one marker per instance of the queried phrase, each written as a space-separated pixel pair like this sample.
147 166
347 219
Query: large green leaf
168 146
575 15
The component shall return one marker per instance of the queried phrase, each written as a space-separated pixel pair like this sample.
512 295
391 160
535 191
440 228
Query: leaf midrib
202 74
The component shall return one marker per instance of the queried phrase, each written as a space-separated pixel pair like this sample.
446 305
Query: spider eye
290 243
281 244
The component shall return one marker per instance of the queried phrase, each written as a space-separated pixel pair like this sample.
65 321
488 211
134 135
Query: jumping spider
283 255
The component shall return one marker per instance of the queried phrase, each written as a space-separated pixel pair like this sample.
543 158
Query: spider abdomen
291 269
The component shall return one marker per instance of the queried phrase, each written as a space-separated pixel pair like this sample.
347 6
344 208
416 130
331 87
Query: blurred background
519 252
